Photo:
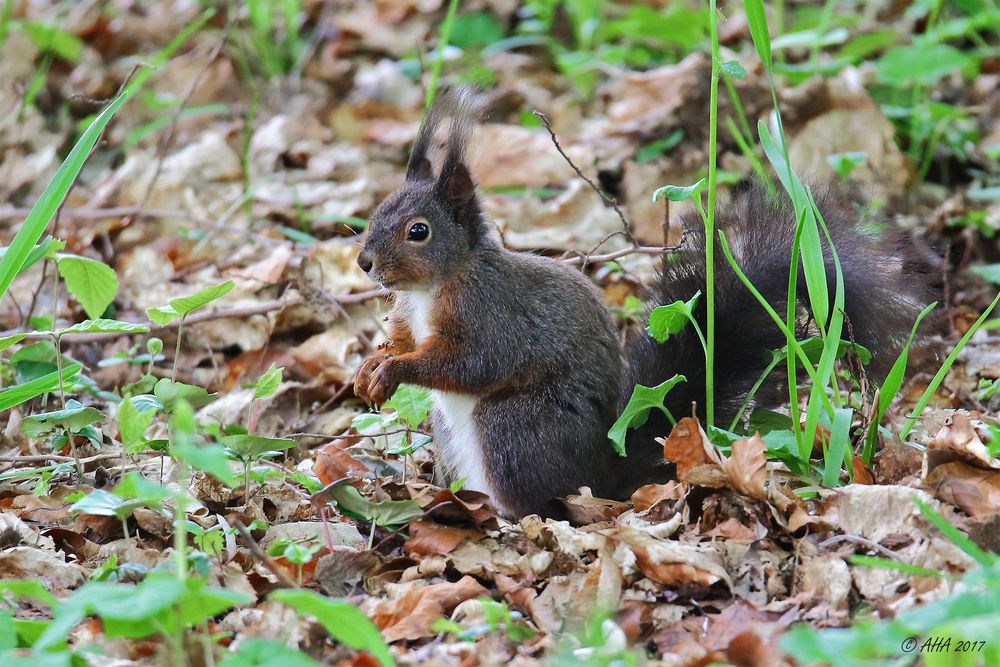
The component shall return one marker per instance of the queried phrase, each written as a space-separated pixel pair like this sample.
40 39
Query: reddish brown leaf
410 616
334 462
687 446
428 538
746 467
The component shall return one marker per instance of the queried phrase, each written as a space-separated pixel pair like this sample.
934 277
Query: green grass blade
837 450
757 20
956 536
813 263
890 387
831 345
449 22
790 335
945 367
50 200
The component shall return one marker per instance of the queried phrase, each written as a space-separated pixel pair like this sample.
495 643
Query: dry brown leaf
734 531
650 495
410 616
862 474
672 563
958 440
688 447
975 490
334 462
746 468
428 538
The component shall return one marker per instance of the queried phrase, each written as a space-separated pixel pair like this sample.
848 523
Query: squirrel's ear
420 171
456 185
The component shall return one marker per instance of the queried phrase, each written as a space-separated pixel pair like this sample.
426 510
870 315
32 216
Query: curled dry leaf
688 447
429 538
585 509
958 440
672 563
746 468
410 616
975 490
651 495
334 462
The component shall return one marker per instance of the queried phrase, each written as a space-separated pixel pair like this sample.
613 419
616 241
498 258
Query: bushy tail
882 297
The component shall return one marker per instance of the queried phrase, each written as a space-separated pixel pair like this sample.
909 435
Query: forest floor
243 170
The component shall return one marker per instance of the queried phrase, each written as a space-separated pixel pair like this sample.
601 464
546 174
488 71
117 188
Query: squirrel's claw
382 384
364 376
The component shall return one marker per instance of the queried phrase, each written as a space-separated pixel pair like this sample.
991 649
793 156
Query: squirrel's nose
365 262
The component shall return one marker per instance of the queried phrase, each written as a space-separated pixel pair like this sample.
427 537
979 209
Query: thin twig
607 257
262 556
857 539
604 195
167 139
219 314
42 458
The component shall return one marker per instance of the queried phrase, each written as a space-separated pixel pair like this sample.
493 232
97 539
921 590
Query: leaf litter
266 192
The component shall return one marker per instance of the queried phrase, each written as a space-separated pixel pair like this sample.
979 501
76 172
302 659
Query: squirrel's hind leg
535 452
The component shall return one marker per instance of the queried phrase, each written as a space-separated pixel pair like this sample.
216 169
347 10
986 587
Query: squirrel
523 358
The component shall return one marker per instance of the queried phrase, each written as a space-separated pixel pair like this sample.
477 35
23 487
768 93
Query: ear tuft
456 185
421 170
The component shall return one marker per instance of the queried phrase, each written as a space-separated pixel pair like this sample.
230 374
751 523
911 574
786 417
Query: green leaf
383 513
134 485
734 69
99 503
154 346
476 29
988 389
72 418
185 305
211 459
29 588
637 409
7 341
170 392
253 446
667 320
990 272
677 192
94 284
655 149
27 390
49 37
161 316
132 423
757 20
268 383
845 163
104 326
52 197
267 653
342 620
412 403
922 64
810 39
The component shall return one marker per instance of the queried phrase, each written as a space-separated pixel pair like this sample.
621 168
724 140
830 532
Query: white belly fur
460 449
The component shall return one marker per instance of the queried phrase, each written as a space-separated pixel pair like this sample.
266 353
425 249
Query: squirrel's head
425 231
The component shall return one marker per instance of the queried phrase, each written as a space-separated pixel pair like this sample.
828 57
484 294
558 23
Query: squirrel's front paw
365 372
383 384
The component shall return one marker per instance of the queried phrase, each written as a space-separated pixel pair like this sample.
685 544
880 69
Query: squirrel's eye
418 232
